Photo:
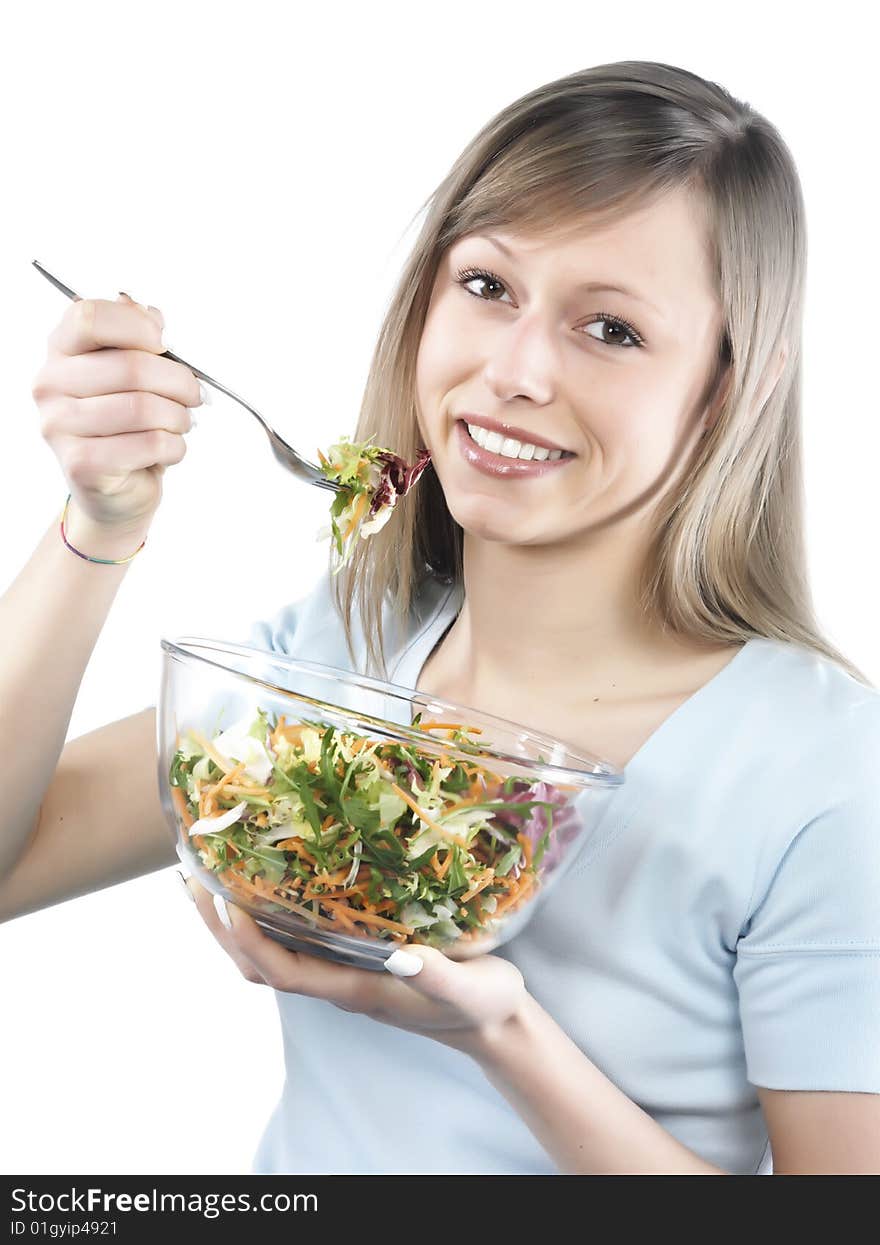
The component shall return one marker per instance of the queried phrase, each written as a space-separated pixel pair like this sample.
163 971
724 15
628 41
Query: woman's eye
469 277
618 334
620 331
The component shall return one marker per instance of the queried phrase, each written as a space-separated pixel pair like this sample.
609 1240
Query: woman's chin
488 519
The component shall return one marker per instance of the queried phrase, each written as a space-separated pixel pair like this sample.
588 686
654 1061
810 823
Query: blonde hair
728 561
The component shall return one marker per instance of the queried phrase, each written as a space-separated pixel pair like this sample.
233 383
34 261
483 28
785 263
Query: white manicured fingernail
402 964
193 422
183 882
204 395
222 911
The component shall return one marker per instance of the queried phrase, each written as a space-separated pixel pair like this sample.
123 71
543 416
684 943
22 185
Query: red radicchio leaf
394 470
413 473
396 479
384 495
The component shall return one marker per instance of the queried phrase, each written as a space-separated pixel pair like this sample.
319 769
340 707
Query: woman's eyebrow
593 287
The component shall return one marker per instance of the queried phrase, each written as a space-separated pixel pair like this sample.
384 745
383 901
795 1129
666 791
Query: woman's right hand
113 410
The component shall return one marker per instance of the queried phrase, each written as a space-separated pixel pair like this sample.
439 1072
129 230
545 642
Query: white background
254 170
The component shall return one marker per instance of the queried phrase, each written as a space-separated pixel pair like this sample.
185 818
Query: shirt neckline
409 666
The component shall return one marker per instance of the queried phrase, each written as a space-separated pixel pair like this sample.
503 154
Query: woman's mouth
494 462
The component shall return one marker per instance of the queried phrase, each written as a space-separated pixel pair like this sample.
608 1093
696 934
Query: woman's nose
522 361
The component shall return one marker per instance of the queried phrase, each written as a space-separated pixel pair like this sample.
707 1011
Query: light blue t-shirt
722 930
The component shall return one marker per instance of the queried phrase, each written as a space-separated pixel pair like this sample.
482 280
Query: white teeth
509 447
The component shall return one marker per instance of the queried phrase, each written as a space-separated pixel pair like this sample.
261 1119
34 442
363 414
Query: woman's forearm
583 1121
50 619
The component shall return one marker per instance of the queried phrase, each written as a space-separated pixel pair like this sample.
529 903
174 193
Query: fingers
89 460
483 990
439 998
351 989
302 974
93 323
109 414
116 372
205 903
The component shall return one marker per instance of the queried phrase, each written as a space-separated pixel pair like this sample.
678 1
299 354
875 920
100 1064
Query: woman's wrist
486 1043
103 540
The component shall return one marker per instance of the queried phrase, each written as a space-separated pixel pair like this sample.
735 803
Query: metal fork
284 453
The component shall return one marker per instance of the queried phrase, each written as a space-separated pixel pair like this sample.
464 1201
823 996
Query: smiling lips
490 462
508 432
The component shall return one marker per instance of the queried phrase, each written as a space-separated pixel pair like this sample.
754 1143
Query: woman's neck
547 614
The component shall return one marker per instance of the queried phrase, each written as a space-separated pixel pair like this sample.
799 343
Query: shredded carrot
485 879
308 893
447 834
258 793
209 750
259 886
340 916
296 845
526 843
180 804
450 726
443 869
279 726
331 879
356 513
228 777
517 892
465 803
368 918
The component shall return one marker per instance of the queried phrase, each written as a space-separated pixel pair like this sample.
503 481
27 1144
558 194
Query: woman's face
539 345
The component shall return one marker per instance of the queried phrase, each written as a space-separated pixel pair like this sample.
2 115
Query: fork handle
166 354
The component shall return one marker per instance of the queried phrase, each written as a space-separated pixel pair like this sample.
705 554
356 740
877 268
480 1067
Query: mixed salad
372 480
365 837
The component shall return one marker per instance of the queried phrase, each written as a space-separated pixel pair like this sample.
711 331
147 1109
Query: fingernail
163 341
185 870
402 964
204 395
184 884
123 294
150 307
222 911
193 422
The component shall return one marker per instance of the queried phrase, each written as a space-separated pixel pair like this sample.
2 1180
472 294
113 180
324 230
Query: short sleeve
277 633
283 631
808 959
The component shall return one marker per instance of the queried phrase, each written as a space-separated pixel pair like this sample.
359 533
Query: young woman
614 269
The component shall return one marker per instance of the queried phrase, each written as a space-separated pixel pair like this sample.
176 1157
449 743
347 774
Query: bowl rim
603 773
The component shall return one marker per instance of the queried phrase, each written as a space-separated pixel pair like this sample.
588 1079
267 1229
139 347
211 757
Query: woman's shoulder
803 738
811 693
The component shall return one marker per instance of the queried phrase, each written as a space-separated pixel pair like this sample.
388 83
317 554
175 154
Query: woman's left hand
457 1004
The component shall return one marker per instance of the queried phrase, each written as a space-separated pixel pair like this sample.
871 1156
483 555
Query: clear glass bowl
506 812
